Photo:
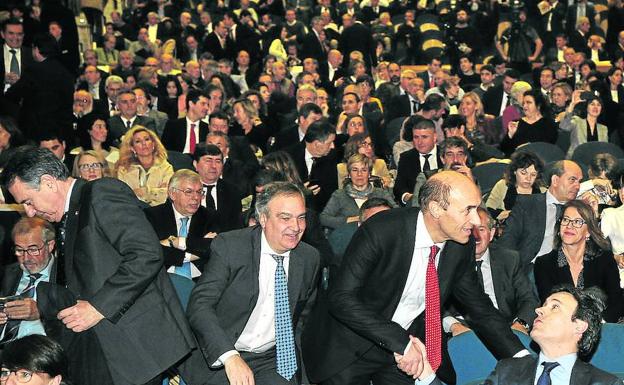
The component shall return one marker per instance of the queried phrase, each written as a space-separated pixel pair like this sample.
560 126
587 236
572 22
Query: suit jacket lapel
71 226
295 275
11 278
580 373
498 277
255 266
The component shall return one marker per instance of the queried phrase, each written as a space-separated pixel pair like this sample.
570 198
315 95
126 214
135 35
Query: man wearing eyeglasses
34 246
185 228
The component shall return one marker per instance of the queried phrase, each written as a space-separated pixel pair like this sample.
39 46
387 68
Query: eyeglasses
81 100
33 251
366 144
189 193
21 375
90 166
577 223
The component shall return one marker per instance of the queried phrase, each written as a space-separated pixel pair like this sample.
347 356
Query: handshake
414 362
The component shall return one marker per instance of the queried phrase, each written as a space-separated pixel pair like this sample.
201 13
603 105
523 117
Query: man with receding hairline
401 267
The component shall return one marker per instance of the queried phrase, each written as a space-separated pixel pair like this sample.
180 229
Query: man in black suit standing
219 44
45 90
502 278
34 240
567 329
433 65
184 134
185 228
497 98
316 162
13 59
424 157
220 195
245 308
113 266
356 37
392 284
312 44
530 228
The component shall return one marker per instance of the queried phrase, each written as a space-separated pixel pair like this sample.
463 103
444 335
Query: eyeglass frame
188 192
90 166
569 221
5 373
29 250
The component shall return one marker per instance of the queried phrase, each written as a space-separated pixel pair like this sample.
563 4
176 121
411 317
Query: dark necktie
112 106
414 107
426 166
559 207
544 379
11 328
128 125
14 63
480 274
284 338
508 100
60 253
210 202
433 323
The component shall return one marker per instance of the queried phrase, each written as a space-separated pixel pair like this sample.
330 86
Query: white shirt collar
265 248
423 239
68 197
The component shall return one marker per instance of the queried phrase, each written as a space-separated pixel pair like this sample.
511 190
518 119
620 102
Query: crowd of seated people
198 110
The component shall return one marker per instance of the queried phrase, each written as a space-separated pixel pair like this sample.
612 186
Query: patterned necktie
414 107
60 253
193 140
480 275
284 337
544 379
11 328
433 324
559 207
14 63
185 269
426 166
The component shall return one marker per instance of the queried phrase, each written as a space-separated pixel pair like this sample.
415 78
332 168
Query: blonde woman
90 165
143 165
248 123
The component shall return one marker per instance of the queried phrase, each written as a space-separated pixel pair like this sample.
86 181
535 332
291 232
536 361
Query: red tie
193 139
431 82
433 324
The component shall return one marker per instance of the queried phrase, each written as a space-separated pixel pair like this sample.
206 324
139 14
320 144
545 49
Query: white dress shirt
187 144
7 61
195 272
258 335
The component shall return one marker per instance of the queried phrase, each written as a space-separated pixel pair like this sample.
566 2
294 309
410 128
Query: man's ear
48 181
580 326
435 209
262 219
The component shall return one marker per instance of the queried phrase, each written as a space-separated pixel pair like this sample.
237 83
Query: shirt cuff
223 357
447 322
425 381
182 243
521 353
403 198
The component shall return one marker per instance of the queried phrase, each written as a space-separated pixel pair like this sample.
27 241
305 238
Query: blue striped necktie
185 269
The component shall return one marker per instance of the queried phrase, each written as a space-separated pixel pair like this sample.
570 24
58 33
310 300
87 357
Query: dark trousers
263 367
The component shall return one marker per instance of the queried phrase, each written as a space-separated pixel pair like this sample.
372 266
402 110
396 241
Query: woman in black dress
537 124
581 257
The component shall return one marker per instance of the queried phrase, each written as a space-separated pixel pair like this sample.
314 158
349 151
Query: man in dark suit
312 45
497 98
531 225
184 134
356 37
408 103
219 44
371 12
245 309
424 157
55 142
242 37
239 145
433 65
582 8
567 328
34 240
113 264
185 228
234 171
392 284
307 114
11 69
502 278
316 162
551 21
127 118
45 91
221 195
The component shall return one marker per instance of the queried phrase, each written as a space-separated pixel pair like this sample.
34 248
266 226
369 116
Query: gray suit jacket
227 291
521 371
525 227
341 206
117 127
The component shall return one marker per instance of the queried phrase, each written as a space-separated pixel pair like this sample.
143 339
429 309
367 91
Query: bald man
399 264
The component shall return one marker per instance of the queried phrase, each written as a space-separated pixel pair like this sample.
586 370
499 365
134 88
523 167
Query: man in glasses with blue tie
254 288
34 246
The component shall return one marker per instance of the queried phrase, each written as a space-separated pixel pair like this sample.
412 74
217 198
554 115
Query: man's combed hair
589 308
273 190
30 164
434 190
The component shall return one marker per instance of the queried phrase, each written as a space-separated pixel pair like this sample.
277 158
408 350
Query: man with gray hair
185 228
113 268
113 85
258 281
34 240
